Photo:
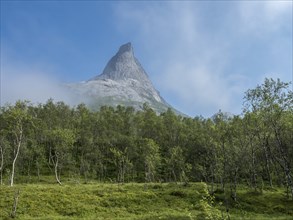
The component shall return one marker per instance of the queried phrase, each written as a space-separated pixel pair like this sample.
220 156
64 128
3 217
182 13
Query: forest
121 145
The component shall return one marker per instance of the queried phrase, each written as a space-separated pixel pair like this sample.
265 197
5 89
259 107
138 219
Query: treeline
124 145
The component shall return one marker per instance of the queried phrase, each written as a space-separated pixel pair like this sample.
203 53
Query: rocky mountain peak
125 48
124 66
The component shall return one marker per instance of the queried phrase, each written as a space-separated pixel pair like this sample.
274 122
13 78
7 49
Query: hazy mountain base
95 102
138 201
138 106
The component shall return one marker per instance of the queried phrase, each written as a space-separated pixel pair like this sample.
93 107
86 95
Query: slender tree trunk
268 170
234 185
212 182
1 177
28 169
38 170
56 172
223 184
146 173
223 179
18 143
123 170
146 179
287 172
2 164
14 207
289 178
286 166
174 175
254 175
118 173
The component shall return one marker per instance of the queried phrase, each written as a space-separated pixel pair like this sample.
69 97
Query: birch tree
150 157
16 118
63 140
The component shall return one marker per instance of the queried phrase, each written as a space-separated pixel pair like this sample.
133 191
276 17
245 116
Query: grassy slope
132 201
270 204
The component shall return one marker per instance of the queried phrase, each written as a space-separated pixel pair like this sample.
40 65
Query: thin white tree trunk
56 171
1 165
18 143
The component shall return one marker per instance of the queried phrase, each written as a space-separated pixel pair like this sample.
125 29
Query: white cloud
191 61
35 85
258 17
268 21
193 67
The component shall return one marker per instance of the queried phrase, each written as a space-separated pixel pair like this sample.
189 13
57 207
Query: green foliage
150 157
131 201
271 203
100 201
207 206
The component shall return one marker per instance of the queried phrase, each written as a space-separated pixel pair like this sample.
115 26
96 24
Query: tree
176 164
83 147
222 139
150 157
1 158
272 101
16 119
63 140
250 143
121 162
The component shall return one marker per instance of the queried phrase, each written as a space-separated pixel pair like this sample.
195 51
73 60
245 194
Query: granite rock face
122 82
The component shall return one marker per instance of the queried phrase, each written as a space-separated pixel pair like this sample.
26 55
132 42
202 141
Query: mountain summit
122 82
124 66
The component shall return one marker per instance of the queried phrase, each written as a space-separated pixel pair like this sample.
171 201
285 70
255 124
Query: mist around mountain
122 82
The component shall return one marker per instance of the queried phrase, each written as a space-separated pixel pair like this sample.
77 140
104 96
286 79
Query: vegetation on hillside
134 201
120 145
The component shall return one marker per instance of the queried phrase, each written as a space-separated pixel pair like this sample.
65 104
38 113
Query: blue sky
201 55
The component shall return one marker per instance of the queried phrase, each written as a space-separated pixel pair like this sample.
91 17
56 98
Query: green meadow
94 200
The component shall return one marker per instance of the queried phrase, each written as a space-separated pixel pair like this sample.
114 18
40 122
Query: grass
268 204
134 201
100 201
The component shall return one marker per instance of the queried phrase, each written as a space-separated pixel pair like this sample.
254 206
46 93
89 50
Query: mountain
122 82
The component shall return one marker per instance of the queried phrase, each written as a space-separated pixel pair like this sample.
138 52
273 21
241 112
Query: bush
207 208
178 193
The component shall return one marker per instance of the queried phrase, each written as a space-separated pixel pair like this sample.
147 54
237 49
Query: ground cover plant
103 201
139 201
